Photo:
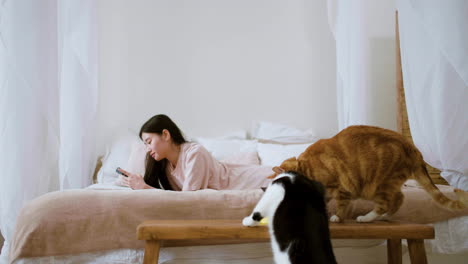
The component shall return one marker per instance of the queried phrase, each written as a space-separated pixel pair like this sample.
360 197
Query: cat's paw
335 219
362 219
248 221
383 217
371 216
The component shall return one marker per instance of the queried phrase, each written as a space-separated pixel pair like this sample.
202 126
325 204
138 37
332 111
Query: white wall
215 66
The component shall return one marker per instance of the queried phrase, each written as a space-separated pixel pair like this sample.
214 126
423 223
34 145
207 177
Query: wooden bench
155 232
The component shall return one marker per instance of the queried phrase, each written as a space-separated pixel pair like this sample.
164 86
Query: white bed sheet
451 236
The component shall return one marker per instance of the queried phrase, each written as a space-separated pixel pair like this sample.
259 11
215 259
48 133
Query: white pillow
136 161
116 156
279 133
137 158
274 154
223 148
241 154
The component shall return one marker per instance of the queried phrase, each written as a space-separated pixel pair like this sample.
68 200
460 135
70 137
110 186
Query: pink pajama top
197 169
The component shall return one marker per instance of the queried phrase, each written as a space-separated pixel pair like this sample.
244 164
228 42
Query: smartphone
119 172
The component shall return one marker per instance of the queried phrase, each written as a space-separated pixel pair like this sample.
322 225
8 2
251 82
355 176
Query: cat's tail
422 177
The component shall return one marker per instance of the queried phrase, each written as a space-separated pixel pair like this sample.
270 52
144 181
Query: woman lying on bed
172 163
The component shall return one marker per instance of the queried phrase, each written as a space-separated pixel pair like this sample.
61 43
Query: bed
98 224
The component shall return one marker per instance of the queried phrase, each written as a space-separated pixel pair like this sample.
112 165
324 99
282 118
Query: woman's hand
134 181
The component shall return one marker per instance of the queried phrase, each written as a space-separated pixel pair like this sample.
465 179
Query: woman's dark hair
155 171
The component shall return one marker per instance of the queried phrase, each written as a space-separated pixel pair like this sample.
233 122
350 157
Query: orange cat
366 162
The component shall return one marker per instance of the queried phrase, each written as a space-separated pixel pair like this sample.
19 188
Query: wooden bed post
402 115
399 79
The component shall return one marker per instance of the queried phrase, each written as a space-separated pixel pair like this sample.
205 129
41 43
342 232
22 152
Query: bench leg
394 255
151 252
417 251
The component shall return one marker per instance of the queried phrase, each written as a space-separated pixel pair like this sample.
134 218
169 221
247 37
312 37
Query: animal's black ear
319 187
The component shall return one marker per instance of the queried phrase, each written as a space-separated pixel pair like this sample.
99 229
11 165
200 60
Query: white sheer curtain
349 23
365 57
78 91
434 52
48 97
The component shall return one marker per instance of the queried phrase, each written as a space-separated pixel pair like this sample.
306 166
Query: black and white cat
297 220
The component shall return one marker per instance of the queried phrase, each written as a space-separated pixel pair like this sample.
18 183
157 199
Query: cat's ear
289 164
291 159
278 170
